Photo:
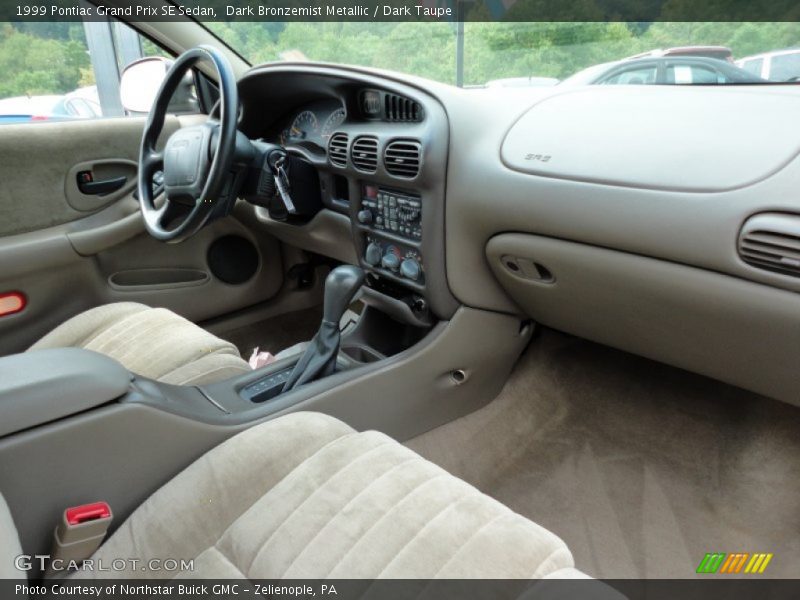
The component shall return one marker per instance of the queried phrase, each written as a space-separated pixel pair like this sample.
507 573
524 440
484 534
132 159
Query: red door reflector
12 302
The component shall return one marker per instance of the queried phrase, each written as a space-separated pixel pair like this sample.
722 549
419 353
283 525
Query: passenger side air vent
364 153
399 108
772 241
402 158
337 149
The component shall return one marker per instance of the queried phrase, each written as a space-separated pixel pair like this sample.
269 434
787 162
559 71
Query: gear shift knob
319 359
341 286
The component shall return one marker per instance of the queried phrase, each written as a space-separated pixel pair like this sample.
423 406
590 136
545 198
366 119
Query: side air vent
402 109
772 241
402 158
364 153
337 149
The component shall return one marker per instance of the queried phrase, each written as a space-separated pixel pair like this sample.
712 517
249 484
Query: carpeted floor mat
639 467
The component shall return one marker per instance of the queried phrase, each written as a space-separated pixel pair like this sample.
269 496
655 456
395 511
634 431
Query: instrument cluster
311 127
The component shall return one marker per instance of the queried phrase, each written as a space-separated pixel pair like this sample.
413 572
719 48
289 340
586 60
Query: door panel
38 157
67 251
146 270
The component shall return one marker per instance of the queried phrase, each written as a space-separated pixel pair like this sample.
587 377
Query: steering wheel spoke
152 161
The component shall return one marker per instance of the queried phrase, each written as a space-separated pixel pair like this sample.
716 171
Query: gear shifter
319 359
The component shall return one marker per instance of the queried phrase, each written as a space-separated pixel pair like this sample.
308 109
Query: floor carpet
639 467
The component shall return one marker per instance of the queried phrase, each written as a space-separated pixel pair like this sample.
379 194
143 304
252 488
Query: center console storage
46 385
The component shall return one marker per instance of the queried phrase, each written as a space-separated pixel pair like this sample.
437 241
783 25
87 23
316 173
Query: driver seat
152 342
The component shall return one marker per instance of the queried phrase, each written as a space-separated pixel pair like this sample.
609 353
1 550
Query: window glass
753 66
634 76
785 67
65 70
537 52
692 74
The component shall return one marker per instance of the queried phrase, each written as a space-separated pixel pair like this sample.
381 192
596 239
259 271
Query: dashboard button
373 255
390 261
410 269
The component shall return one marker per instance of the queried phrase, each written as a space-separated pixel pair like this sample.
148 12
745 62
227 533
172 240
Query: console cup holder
361 354
156 279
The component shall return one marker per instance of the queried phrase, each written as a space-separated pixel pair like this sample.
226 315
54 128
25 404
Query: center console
393 222
382 171
395 169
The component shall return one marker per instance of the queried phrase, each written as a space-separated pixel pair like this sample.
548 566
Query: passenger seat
306 496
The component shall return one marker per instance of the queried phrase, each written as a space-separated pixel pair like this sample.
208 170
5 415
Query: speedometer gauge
332 122
304 126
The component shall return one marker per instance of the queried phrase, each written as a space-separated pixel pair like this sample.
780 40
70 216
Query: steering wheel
196 161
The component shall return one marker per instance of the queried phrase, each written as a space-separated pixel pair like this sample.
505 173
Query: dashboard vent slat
401 109
364 153
402 158
337 149
771 241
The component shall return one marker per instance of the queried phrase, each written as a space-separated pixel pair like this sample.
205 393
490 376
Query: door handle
87 185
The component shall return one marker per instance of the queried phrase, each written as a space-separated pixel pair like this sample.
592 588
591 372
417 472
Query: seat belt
78 536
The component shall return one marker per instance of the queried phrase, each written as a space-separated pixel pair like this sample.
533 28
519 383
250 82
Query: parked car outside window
778 65
690 70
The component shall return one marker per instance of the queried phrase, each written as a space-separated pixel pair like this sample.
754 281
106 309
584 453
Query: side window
691 74
785 67
705 75
753 66
64 71
641 76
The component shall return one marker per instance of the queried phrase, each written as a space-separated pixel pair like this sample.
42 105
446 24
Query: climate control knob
390 261
365 216
410 269
373 255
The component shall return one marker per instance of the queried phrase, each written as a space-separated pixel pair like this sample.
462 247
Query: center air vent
772 241
402 158
364 153
337 149
399 108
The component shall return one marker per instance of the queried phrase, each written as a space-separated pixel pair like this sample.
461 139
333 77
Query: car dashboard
630 216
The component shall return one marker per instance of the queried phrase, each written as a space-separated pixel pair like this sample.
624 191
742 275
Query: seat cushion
152 342
305 496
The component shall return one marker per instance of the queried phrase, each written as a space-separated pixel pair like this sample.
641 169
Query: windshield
535 54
